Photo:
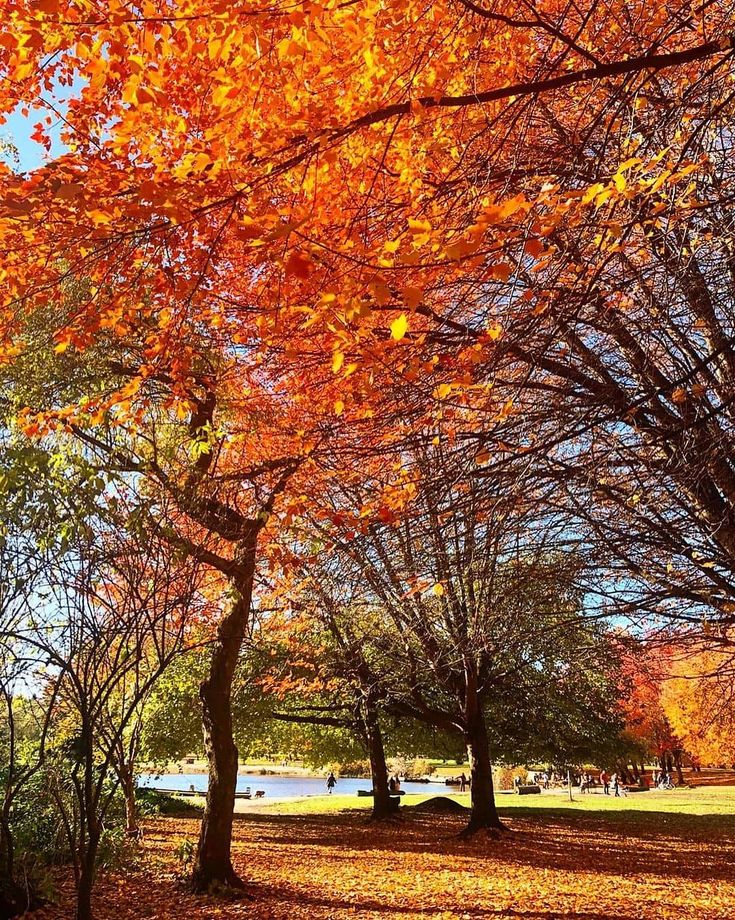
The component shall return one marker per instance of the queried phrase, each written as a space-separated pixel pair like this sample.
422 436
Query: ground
651 856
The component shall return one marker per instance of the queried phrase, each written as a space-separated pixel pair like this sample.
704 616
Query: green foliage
172 726
184 853
153 802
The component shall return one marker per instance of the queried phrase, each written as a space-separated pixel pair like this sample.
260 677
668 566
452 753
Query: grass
683 802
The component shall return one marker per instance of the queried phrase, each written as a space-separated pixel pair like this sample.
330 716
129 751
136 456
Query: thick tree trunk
483 814
382 803
213 863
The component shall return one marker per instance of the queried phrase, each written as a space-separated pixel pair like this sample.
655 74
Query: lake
275 787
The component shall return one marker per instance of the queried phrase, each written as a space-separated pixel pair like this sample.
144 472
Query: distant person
392 784
462 783
331 782
398 783
605 780
615 782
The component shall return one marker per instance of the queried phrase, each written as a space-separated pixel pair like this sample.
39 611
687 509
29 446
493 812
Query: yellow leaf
337 361
592 192
418 226
399 327
438 589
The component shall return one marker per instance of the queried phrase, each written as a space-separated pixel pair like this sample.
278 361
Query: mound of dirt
441 805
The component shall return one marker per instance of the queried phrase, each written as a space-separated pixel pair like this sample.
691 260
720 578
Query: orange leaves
412 296
299 264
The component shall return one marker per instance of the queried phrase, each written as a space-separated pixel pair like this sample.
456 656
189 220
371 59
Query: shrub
506 774
358 768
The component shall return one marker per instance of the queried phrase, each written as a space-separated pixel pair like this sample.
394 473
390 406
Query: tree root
231 887
493 831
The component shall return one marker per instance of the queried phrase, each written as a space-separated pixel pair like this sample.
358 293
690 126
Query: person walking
605 780
615 781
331 782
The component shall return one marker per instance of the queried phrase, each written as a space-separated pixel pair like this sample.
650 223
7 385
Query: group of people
545 779
662 779
607 781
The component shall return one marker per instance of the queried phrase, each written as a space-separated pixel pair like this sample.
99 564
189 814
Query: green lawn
706 801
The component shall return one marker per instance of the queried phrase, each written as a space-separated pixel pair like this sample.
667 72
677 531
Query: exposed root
493 831
231 887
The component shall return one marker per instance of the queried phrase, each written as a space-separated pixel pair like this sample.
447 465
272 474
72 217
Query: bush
153 802
418 769
506 774
358 768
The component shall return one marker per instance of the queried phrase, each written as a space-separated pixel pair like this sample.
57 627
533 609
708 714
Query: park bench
530 789
259 793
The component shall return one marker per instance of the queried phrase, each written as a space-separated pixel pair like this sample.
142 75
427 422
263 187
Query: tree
697 697
462 597
105 622
322 674
650 733
187 473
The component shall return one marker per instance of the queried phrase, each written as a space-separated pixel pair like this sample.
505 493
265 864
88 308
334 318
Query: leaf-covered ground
594 861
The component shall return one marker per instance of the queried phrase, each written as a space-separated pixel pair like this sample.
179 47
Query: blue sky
18 129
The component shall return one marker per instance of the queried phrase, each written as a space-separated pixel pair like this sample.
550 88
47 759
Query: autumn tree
697 698
321 672
331 199
102 631
460 598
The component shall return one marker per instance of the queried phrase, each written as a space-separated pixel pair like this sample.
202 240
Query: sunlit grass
718 800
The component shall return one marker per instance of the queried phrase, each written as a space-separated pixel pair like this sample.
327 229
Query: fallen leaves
329 867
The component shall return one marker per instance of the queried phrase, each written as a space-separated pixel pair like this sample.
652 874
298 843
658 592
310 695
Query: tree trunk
127 781
677 763
382 803
85 884
483 814
213 863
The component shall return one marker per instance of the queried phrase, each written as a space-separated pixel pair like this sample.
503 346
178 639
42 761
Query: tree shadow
330 904
661 844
